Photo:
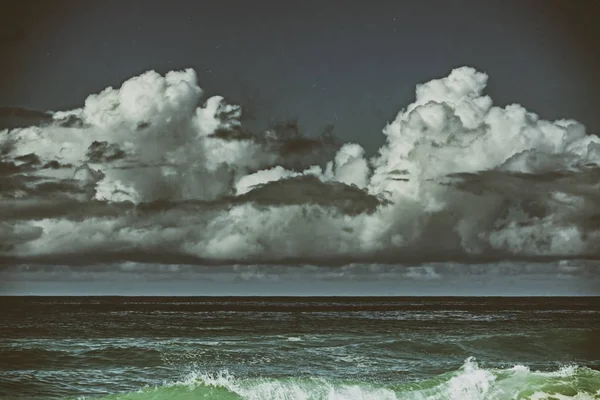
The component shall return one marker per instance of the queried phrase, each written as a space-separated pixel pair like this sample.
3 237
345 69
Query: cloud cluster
155 171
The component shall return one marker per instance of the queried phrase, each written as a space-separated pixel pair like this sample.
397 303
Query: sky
464 135
323 62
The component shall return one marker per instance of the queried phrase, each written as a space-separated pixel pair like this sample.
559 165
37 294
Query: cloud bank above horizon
511 278
154 171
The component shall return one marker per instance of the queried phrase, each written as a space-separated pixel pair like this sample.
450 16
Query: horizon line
301 296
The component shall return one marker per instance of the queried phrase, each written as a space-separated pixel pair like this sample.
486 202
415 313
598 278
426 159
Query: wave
470 382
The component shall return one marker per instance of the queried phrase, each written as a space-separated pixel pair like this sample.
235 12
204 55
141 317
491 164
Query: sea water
299 348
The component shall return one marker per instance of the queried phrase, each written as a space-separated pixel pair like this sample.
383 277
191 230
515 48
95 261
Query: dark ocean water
299 348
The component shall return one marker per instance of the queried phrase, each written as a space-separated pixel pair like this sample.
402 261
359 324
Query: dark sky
354 64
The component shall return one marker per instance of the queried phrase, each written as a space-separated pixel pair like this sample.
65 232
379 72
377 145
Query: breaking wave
470 382
143 173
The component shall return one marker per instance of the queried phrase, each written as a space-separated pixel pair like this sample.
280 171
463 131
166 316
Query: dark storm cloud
16 117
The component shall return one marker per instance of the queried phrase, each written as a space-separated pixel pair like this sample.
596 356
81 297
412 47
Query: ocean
299 348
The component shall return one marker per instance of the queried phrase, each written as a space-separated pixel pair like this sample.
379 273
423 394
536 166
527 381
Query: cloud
504 278
153 170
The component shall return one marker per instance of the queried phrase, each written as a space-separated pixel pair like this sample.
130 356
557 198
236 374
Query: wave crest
470 382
